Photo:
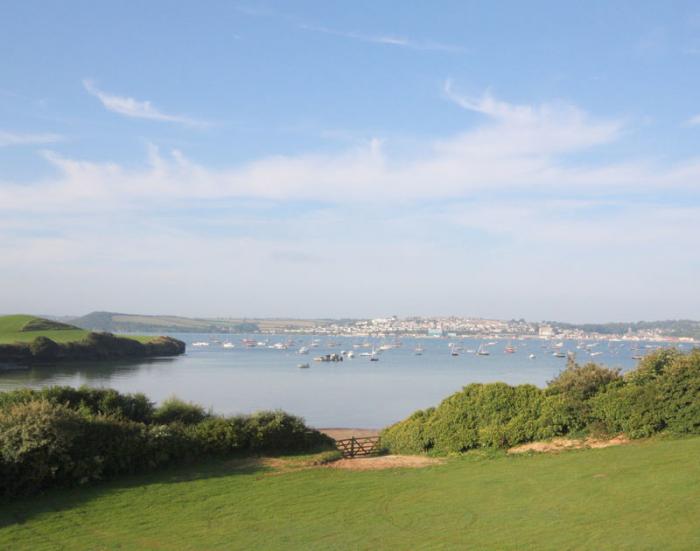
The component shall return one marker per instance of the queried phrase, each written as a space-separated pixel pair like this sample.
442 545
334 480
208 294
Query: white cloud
130 107
387 39
693 121
504 212
518 148
14 138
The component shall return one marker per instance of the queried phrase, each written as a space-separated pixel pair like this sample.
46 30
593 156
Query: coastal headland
27 340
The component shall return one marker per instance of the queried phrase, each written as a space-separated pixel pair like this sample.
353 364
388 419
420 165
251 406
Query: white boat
351 354
303 366
531 356
228 345
482 351
304 350
200 343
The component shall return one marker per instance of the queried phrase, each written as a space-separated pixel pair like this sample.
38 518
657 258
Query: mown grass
13 329
642 496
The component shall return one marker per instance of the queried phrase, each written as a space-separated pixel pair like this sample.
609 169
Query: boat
510 349
373 358
304 350
532 356
228 345
303 366
596 353
482 351
559 354
351 354
200 343
418 351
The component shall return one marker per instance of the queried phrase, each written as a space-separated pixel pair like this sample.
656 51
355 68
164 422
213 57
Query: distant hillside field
130 323
25 340
25 328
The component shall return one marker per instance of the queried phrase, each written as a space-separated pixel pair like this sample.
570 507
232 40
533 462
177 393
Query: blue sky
496 159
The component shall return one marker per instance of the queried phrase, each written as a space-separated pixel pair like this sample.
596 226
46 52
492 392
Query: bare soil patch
384 462
341 434
562 444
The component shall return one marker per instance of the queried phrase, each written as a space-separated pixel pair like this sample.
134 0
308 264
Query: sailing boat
482 351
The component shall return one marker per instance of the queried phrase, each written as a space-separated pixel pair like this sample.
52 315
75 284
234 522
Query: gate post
352 446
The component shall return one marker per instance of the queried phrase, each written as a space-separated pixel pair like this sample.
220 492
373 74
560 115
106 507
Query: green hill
25 328
116 322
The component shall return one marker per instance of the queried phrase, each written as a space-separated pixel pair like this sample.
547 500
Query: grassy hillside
642 496
24 328
112 321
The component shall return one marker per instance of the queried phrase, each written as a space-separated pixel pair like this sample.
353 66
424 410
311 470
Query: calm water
353 393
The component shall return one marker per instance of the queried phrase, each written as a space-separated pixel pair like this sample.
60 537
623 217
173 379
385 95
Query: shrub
174 410
101 401
409 436
680 393
36 443
277 431
220 436
635 410
581 382
62 435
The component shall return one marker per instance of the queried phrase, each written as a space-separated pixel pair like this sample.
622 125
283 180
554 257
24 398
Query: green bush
680 393
277 431
409 436
63 436
635 410
174 410
662 393
37 440
221 436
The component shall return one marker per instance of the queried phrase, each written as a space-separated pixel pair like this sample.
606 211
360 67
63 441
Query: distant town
662 331
489 328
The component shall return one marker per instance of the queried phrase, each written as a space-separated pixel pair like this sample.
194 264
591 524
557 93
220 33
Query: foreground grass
642 496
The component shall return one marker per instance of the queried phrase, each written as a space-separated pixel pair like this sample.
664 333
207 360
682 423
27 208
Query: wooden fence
362 446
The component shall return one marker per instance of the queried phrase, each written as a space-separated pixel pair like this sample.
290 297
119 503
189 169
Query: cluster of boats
373 350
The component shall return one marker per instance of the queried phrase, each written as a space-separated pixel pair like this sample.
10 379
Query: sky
332 159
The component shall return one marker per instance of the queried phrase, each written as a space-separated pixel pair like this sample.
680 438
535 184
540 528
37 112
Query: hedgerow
62 436
661 394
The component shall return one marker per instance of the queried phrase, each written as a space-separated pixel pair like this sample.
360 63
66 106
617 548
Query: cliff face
97 346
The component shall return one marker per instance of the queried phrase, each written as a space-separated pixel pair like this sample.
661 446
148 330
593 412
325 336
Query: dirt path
384 462
561 444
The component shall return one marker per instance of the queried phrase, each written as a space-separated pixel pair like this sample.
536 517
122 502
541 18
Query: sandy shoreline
341 433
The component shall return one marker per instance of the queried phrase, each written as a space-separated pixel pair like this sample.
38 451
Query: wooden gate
362 446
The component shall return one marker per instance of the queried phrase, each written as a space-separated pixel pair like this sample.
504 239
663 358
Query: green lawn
13 329
642 496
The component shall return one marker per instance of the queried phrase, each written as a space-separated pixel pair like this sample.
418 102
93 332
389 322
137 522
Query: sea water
353 393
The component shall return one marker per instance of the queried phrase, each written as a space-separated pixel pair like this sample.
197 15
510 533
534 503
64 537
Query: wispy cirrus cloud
693 121
387 39
130 107
17 138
